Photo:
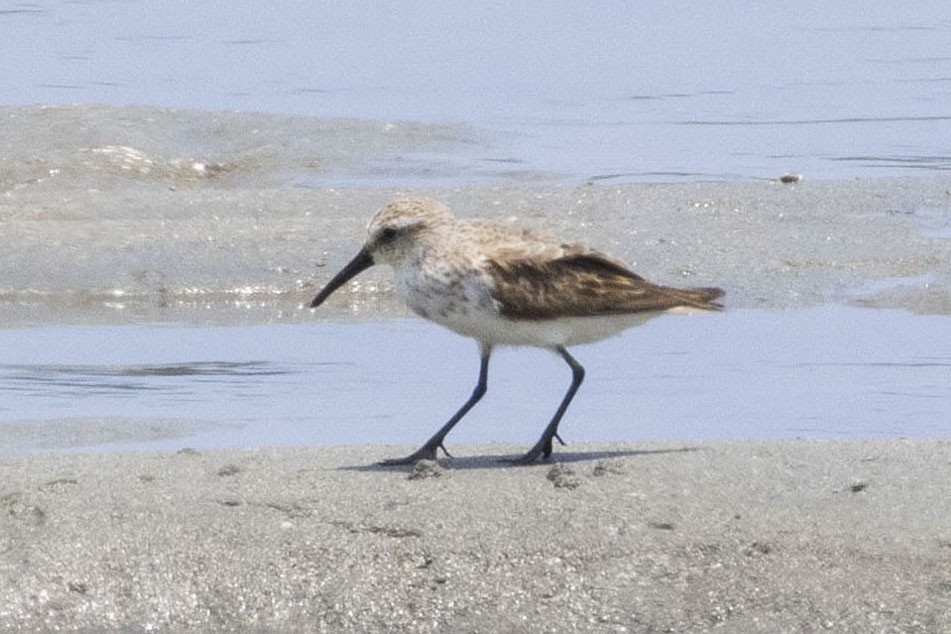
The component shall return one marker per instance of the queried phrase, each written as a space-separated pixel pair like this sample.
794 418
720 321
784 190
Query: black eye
388 234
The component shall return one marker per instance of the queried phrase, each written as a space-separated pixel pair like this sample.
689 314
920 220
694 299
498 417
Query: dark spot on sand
758 548
428 561
858 487
229 470
392 531
388 531
426 469
78 587
664 526
608 467
563 477
292 511
15 507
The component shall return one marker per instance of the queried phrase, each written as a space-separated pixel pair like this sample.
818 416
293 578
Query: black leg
428 451
543 447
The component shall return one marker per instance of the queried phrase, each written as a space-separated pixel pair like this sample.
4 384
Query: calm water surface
616 90
827 372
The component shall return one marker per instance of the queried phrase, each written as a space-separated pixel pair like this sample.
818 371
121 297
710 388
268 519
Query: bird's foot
428 451
542 450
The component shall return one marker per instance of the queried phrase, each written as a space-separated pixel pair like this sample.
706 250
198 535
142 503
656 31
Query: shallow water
819 373
556 90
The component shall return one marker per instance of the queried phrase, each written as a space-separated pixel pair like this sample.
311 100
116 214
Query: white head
390 234
395 227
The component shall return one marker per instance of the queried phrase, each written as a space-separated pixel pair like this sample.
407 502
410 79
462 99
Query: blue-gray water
828 372
618 90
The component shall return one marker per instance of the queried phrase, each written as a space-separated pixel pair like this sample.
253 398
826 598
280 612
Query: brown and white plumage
504 285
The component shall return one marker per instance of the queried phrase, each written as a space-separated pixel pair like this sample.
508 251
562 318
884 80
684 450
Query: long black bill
357 265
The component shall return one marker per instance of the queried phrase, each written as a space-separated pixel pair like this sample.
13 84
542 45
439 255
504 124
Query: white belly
564 331
465 306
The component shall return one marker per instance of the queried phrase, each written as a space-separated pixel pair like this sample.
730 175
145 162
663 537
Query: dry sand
787 536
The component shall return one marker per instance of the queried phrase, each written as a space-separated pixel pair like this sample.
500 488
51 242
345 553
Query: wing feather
582 284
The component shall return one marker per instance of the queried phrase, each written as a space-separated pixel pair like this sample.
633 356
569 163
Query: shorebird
507 286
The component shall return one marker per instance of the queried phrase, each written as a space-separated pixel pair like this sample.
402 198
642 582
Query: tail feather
701 298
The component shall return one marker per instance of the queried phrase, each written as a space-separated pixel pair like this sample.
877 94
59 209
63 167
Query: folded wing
582 284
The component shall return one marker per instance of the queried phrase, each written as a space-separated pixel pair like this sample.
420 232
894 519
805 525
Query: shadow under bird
507 286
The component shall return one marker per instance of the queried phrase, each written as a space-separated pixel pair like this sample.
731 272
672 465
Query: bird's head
391 234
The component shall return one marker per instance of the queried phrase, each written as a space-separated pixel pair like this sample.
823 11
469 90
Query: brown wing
582 285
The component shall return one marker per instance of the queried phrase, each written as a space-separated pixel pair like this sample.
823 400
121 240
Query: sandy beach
787 536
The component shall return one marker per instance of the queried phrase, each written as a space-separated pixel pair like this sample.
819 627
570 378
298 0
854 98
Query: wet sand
219 255
787 536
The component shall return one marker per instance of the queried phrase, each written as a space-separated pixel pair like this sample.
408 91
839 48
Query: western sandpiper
507 286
